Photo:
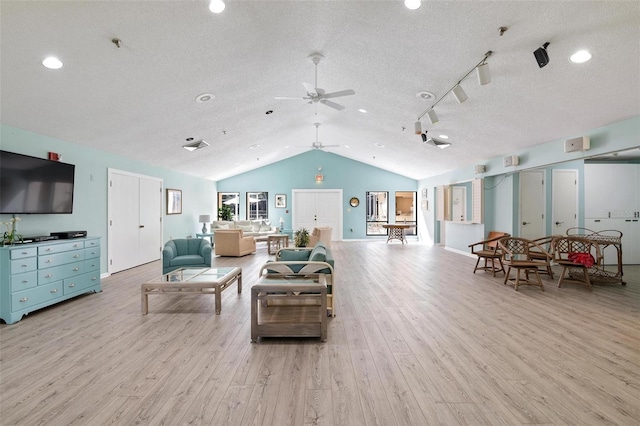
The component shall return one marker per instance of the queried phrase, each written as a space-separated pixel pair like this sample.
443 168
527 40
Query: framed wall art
174 201
281 201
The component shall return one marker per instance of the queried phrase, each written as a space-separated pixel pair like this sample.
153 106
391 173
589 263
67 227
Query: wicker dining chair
517 255
488 250
577 256
545 257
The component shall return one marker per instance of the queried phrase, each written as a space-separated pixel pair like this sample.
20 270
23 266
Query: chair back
566 248
491 243
515 248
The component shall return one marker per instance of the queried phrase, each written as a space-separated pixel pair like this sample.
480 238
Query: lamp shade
204 218
483 73
459 94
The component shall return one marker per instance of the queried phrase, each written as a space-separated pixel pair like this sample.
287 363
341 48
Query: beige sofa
232 242
320 234
250 228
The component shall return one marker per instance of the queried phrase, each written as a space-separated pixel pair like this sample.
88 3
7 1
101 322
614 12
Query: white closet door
565 200
150 224
123 241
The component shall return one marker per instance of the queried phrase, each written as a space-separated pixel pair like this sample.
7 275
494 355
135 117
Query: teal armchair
186 253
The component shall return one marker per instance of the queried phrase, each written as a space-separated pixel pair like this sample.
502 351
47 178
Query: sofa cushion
187 259
294 255
247 228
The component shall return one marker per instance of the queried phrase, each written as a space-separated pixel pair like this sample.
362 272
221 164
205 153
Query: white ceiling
138 100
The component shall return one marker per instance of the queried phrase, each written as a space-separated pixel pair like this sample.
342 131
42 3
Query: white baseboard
465 253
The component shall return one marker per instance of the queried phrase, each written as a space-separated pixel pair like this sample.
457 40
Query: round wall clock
354 202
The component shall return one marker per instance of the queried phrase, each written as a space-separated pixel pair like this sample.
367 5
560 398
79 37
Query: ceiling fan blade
290 97
310 89
332 104
320 91
347 92
331 146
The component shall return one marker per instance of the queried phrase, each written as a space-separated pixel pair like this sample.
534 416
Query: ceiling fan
319 145
317 95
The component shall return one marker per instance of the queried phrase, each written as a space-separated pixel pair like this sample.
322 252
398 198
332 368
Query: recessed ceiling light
379 145
254 146
412 4
217 6
52 63
347 146
427 96
580 56
204 97
364 111
444 136
287 147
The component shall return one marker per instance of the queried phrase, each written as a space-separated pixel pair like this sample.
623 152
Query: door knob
141 226
559 223
525 223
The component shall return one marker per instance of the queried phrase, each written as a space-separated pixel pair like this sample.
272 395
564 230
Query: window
377 212
231 199
257 205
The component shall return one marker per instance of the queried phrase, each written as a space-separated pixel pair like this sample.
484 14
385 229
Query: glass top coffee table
193 281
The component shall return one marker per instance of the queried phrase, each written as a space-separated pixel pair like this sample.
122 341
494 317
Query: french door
317 207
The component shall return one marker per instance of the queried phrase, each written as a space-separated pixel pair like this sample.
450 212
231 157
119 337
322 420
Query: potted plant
301 237
225 212
11 236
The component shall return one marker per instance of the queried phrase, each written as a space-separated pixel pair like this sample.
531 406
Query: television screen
34 185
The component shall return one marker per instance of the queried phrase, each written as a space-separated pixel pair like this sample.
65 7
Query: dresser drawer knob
49 249
24 299
24 266
72 285
76 269
24 281
48 261
76 256
55 290
48 276
25 252
94 278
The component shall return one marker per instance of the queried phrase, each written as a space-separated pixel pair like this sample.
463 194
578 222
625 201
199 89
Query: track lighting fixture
418 127
196 145
435 142
459 94
484 77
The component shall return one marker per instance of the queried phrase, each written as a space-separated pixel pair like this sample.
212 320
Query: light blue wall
353 177
502 184
90 192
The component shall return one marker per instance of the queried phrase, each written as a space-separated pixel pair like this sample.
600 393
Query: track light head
433 117
418 127
541 55
483 73
459 94
424 137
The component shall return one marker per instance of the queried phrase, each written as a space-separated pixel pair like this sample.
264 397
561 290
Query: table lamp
281 224
204 218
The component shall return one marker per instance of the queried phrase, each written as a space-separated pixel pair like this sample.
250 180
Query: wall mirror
231 199
377 212
257 205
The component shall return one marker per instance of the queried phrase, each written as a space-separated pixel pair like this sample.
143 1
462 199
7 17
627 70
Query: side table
277 241
210 236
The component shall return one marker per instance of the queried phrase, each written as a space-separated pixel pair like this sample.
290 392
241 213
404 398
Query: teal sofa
186 253
302 261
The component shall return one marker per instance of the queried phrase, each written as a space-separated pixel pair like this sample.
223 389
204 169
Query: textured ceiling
139 101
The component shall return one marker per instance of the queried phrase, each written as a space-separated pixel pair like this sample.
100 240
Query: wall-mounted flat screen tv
35 185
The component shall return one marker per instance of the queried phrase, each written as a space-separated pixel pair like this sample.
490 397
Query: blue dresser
36 275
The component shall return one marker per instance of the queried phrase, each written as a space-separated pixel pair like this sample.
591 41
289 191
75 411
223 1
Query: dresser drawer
91 252
24 281
59 248
27 264
21 253
92 265
81 282
49 260
57 273
34 296
92 243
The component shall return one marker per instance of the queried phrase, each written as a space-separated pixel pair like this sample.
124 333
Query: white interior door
315 208
564 200
532 204
135 213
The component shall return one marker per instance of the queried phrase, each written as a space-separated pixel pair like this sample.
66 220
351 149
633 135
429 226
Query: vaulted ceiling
139 99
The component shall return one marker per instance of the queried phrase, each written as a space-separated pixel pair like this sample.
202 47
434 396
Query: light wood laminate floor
418 340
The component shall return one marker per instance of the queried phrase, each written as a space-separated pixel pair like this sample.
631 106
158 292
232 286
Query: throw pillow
221 226
247 228
264 228
318 254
